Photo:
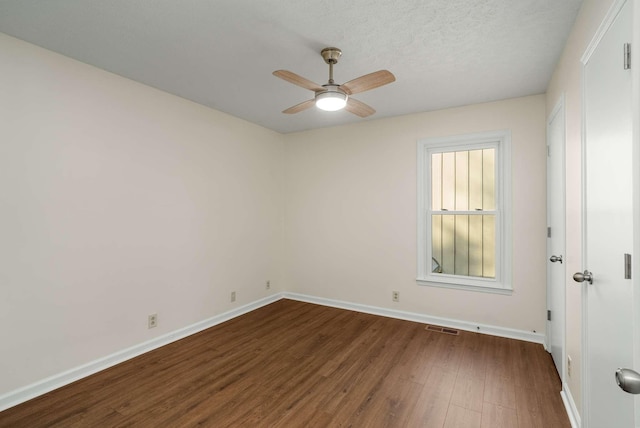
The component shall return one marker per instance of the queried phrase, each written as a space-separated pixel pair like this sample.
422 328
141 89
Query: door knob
554 259
583 276
628 380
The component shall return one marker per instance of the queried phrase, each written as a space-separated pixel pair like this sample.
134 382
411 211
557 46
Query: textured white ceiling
221 53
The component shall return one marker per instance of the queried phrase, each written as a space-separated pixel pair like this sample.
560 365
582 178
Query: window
464 212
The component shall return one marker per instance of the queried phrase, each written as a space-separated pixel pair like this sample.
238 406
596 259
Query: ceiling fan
331 96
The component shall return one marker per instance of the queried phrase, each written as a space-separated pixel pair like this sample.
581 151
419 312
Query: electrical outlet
233 296
268 285
395 296
568 366
153 320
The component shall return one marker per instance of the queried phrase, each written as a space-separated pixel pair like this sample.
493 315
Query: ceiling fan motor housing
331 55
332 88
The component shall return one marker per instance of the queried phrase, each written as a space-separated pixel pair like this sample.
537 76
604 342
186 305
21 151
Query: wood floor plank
495 416
439 384
552 409
447 350
459 417
473 361
415 361
391 406
523 375
500 391
429 414
545 379
430 409
294 364
529 410
500 358
468 392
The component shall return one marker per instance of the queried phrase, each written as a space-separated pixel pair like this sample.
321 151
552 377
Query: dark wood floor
293 364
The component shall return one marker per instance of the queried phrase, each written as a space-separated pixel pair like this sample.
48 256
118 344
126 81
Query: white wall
118 201
567 79
351 213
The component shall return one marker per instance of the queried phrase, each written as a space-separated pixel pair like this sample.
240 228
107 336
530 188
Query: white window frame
501 140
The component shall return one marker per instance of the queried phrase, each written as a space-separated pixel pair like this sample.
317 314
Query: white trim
570 406
612 13
43 386
491 330
556 109
470 287
501 140
583 191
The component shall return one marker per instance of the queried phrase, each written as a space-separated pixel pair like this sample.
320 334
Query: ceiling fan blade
368 81
292 77
358 108
300 107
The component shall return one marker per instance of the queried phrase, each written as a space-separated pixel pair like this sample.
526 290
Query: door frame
559 109
606 23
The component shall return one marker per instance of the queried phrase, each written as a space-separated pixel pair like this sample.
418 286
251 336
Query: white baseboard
421 318
570 406
28 392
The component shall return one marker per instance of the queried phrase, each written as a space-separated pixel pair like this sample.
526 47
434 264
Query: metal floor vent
444 330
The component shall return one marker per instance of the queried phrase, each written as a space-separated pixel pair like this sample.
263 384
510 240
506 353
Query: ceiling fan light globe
331 101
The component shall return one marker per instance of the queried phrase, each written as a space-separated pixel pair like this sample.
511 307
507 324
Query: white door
556 236
608 226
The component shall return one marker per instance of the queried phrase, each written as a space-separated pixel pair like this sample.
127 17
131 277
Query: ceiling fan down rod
331 72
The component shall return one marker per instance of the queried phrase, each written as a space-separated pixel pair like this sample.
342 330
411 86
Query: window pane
449 181
475 245
488 246
436 247
436 181
462 181
475 180
488 180
448 244
464 245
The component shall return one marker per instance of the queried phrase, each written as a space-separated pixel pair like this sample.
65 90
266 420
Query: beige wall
119 201
567 80
351 213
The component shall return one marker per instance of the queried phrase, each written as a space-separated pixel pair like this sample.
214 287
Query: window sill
466 287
